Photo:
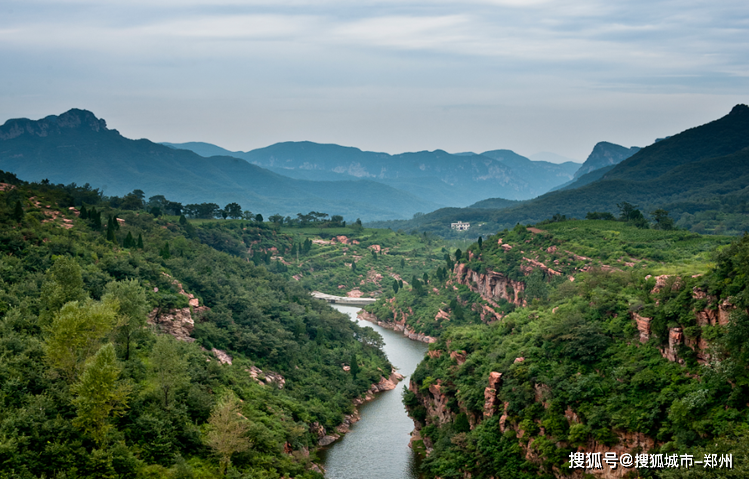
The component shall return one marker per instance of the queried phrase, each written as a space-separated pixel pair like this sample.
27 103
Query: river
377 445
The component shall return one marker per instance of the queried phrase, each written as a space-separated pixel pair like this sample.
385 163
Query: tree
353 266
18 212
426 278
63 283
169 367
164 252
374 254
110 229
354 365
133 310
99 395
458 254
598 215
182 220
84 213
227 430
403 263
395 286
662 220
259 218
129 241
140 241
76 333
276 219
481 242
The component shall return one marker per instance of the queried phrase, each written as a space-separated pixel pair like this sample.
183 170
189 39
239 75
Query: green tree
164 252
481 242
110 229
458 255
76 334
133 310
227 431
140 241
233 210
395 286
182 220
18 212
63 282
403 263
129 241
84 212
277 219
662 220
169 367
99 395
426 278
259 218
354 365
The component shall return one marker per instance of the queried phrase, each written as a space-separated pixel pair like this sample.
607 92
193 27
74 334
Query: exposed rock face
222 357
643 326
675 338
396 325
492 286
177 322
458 356
267 377
490 394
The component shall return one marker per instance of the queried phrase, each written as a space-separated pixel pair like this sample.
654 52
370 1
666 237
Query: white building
460 226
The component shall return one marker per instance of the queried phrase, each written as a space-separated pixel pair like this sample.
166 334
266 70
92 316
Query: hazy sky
394 76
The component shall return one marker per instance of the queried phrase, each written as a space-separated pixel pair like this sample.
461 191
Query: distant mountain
543 175
495 203
550 157
78 147
605 154
703 168
449 179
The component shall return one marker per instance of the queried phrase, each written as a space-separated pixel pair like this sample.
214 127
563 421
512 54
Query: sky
393 76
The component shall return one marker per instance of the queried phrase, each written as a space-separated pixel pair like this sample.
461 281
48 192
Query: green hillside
94 383
614 339
700 176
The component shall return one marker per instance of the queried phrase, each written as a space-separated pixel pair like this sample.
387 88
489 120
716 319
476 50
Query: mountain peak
739 109
53 124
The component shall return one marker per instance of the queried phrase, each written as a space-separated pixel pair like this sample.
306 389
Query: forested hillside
580 336
139 346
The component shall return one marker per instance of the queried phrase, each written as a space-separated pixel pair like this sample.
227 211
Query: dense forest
580 336
134 345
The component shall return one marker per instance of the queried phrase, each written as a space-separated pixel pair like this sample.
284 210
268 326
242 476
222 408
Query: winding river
377 445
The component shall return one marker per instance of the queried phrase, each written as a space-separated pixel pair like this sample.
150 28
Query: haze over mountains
76 146
700 171
447 179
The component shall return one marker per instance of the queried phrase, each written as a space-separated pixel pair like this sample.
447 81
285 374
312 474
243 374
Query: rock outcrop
177 322
492 286
398 326
490 394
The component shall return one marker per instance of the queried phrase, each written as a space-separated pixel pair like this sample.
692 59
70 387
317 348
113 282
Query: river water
377 445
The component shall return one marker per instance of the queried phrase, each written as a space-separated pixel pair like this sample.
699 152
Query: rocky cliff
492 286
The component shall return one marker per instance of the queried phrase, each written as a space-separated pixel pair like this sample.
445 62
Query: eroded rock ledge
399 326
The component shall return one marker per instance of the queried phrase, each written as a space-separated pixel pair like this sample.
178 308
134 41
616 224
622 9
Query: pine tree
395 286
403 263
18 212
353 266
84 212
116 223
140 241
426 278
110 229
129 241
164 253
354 365
481 242
182 220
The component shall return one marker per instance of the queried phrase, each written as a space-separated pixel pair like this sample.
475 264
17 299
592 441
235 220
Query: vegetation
88 389
576 369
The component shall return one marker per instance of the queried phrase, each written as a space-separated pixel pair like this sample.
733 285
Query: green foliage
76 333
169 367
98 395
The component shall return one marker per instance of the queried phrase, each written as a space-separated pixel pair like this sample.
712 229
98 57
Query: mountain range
704 169
447 179
284 178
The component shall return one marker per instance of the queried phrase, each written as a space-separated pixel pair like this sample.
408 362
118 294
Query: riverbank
376 444
400 327
343 300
